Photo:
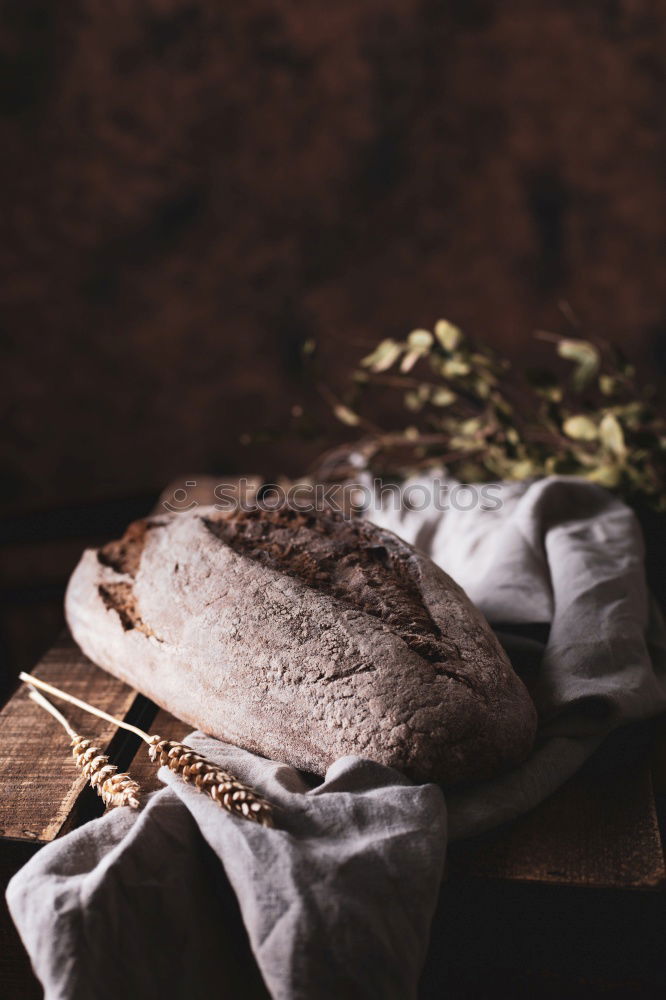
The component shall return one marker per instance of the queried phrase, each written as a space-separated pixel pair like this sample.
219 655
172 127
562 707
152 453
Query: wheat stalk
113 788
208 777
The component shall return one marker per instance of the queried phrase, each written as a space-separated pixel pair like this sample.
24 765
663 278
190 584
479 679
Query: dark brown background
192 188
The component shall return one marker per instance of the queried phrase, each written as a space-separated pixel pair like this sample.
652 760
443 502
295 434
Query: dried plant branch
462 405
114 789
208 777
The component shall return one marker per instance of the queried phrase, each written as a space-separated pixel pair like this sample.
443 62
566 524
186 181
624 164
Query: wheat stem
57 693
46 704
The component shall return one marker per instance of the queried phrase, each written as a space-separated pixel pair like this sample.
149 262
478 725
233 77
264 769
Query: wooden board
597 830
40 786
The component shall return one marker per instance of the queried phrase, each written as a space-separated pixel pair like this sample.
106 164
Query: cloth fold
338 900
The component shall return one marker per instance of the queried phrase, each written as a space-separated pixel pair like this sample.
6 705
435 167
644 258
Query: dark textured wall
190 188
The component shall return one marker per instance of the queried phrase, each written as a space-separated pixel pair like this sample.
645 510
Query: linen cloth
338 900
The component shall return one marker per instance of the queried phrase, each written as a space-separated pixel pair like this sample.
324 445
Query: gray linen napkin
123 904
338 901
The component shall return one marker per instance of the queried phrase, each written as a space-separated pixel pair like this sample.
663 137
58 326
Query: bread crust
304 639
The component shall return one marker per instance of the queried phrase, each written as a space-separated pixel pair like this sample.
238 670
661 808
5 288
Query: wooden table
597 838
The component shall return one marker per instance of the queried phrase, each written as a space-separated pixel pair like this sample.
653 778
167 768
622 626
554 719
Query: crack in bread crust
120 597
339 557
124 554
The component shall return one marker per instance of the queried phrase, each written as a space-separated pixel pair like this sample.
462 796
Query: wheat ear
208 777
211 779
113 788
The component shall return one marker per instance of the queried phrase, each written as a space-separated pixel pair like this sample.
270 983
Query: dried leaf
455 366
605 475
523 469
580 428
443 397
409 360
346 415
420 340
447 334
612 435
584 355
383 356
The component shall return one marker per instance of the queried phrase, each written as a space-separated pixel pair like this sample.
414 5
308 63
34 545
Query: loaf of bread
303 637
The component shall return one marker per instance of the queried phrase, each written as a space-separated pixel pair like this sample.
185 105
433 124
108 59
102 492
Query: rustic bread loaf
303 637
